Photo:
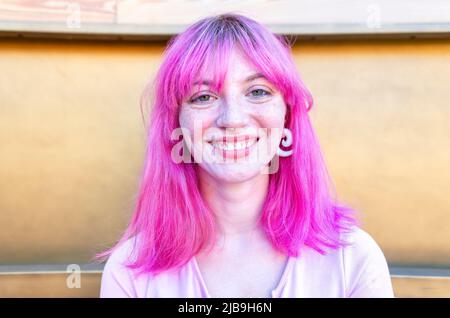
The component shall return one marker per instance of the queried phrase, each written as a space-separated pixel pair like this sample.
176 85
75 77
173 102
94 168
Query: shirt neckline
276 290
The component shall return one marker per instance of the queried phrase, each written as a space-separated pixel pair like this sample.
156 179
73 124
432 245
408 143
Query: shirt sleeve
117 280
367 271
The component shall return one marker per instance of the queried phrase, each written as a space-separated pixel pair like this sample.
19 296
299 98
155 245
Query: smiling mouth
233 147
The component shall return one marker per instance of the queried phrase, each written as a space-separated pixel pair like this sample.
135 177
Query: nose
232 115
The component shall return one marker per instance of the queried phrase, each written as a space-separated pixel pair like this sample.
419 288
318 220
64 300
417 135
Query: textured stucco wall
72 141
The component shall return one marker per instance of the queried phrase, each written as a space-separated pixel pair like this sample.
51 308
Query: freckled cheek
271 116
196 122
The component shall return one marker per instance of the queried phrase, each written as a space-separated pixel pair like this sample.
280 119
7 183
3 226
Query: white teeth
234 146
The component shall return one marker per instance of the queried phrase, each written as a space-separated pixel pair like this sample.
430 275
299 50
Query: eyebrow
248 79
254 76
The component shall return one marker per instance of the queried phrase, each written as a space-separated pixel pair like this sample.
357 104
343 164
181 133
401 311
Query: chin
234 173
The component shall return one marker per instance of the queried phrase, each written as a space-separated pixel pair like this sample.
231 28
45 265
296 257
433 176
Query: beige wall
72 142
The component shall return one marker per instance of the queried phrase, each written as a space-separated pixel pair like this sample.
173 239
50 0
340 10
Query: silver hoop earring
286 143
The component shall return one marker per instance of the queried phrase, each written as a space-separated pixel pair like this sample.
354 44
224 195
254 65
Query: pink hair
171 218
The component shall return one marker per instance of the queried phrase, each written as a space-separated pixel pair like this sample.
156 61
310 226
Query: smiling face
233 135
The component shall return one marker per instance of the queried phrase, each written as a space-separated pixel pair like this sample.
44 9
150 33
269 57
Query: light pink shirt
359 270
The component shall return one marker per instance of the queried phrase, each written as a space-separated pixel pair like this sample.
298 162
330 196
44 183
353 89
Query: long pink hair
171 219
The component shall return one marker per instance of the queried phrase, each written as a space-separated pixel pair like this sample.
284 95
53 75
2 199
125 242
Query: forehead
238 63
239 67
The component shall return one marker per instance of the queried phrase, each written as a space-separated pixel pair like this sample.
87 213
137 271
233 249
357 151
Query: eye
259 92
202 99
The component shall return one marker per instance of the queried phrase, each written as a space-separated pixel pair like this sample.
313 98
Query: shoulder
117 278
361 245
119 281
365 266
123 253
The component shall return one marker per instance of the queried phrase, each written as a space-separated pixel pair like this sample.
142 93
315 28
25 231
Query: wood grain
91 11
321 17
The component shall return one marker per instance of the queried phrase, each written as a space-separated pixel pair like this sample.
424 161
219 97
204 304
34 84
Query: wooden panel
97 11
365 13
51 285
152 17
418 287
55 285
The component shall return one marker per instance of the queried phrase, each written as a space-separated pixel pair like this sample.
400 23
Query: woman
228 211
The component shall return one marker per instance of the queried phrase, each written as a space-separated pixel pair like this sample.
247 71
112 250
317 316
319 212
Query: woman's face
235 134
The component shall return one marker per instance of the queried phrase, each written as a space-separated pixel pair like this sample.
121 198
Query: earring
286 143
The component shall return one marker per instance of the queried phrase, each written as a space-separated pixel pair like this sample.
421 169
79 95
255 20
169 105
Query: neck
236 206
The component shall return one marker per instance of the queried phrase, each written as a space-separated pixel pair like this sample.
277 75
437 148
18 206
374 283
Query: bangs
203 53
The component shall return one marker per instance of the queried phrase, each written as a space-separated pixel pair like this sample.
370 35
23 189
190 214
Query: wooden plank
54 284
421 286
88 11
369 14
156 17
